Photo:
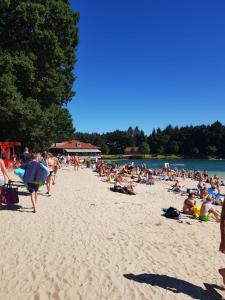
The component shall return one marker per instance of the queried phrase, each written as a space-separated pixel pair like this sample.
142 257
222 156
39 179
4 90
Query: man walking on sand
222 242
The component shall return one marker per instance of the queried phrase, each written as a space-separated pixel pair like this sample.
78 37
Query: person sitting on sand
200 185
213 191
150 178
205 175
204 192
141 177
189 204
208 212
176 187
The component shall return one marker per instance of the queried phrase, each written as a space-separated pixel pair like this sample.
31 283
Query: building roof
82 150
74 144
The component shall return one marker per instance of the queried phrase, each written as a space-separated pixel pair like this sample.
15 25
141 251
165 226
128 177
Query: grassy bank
140 156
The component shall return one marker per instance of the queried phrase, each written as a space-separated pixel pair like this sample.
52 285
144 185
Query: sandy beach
86 242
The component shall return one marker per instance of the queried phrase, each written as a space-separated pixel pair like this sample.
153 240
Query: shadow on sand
22 193
178 286
15 207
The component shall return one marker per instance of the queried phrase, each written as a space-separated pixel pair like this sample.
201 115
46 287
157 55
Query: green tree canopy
38 40
144 148
200 141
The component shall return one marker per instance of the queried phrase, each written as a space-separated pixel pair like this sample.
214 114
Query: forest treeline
192 141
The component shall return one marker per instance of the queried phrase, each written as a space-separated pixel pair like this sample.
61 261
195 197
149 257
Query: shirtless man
189 204
76 163
222 242
207 211
50 162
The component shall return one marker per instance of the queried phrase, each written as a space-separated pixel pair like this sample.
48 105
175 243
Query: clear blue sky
149 63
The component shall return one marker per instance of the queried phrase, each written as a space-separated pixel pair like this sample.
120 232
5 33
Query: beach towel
34 172
19 172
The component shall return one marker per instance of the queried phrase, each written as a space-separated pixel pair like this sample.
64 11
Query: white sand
84 239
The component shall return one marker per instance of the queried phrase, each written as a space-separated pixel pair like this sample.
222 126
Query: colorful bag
12 196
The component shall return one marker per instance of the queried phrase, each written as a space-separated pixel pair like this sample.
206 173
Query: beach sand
86 242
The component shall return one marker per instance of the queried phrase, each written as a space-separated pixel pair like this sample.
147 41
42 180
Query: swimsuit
205 218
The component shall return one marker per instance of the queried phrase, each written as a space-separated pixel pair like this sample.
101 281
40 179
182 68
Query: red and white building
75 147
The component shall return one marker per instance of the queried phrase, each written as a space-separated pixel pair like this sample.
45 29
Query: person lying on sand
208 212
122 187
189 204
111 176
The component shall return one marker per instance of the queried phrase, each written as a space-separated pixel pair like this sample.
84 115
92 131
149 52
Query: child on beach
34 176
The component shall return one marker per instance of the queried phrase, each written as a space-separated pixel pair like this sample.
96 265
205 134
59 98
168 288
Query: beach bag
3 199
172 213
9 195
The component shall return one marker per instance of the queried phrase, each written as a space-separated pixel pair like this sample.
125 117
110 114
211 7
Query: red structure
8 149
75 147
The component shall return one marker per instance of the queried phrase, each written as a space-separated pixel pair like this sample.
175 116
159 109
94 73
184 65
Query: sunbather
176 187
208 212
189 204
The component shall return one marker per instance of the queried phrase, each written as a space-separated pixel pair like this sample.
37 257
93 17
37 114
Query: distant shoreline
152 156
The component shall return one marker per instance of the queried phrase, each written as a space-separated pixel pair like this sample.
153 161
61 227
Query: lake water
212 166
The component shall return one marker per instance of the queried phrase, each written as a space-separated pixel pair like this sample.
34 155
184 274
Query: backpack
172 213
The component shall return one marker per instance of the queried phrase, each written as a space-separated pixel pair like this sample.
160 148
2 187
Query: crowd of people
35 170
41 169
207 191
38 169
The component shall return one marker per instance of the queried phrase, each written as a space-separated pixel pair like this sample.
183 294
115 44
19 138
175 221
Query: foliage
144 148
195 141
37 55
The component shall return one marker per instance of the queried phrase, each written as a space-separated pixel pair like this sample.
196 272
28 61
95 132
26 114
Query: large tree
38 41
